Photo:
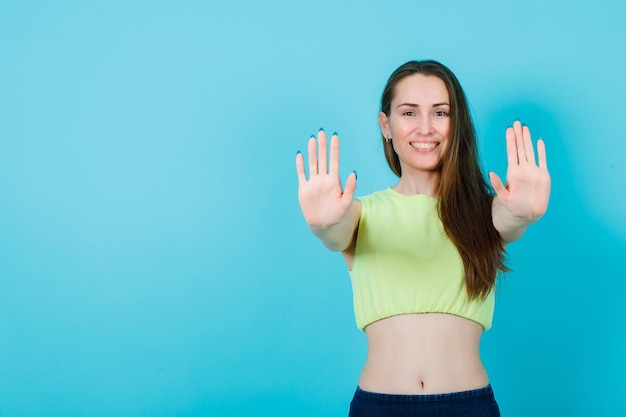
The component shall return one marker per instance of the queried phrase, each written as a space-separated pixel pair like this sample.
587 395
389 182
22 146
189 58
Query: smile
424 146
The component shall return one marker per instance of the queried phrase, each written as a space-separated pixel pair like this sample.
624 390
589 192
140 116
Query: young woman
423 255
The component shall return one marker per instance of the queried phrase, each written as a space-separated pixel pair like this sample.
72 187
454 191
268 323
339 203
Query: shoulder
376 196
373 204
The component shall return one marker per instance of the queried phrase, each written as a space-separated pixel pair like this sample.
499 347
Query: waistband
423 398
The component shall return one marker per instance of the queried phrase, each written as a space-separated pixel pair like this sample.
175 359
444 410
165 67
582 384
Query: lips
424 146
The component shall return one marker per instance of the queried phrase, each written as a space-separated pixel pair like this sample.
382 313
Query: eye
440 113
408 113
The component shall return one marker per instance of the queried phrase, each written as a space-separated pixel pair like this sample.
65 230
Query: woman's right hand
323 201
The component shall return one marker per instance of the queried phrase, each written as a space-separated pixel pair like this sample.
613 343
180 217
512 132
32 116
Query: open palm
322 200
527 190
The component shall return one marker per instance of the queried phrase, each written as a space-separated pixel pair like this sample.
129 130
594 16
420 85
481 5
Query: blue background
153 258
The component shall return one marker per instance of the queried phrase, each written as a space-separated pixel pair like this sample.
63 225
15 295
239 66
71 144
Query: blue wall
153 259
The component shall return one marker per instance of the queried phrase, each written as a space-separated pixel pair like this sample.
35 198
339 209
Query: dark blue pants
475 403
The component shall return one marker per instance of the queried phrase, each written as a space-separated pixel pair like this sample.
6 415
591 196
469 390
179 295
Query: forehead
420 89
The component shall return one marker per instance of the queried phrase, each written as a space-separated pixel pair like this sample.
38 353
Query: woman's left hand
527 191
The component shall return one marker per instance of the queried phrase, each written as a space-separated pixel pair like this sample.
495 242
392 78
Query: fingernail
321 129
312 137
298 153
355 176
335 134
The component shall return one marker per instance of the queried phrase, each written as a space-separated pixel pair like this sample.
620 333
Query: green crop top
405 263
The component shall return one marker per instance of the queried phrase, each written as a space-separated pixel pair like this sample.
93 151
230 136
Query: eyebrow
417 105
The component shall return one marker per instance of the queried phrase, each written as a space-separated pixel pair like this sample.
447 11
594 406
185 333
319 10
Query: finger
334 155
511 149
322 153
350 188
541 154
497 185
528 145
312 148
300 169
519 142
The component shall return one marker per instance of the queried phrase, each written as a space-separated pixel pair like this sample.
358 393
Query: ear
383 121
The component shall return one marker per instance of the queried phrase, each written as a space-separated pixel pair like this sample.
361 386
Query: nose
424 125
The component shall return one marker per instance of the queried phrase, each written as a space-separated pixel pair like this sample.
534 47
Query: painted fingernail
298 153
335 134
355 176
321 129
312 137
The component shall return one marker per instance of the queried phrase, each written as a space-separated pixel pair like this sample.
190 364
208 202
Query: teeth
424 145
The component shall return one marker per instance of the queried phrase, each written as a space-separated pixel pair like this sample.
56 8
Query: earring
387 140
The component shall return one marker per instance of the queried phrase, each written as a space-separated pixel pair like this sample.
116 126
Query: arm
330 211
524 199
340 236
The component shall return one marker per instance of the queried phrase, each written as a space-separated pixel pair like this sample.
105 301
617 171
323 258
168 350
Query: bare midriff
430 353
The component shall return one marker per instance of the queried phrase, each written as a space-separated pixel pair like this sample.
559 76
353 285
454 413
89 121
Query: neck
418 183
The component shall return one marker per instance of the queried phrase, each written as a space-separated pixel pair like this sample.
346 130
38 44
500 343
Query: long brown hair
465 198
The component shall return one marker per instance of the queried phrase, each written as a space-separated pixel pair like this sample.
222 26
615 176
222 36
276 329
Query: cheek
399 128
444 130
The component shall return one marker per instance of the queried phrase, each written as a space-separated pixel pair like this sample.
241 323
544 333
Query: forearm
339 236
509 226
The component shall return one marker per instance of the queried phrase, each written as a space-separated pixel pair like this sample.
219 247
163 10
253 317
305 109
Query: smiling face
418 123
